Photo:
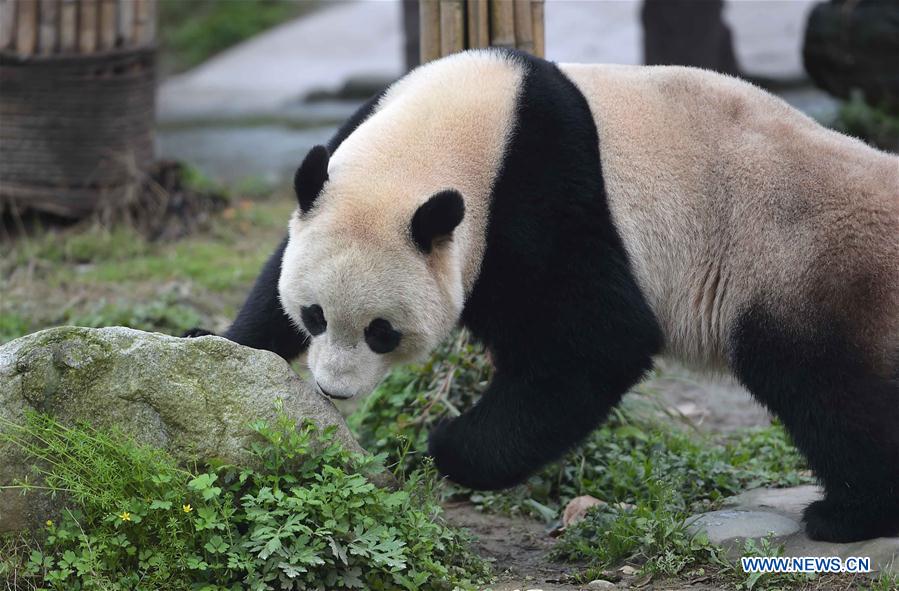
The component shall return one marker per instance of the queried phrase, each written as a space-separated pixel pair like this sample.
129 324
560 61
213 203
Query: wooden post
452 26
537 16
502 23
108 24
478 24
430 30
68 26
524 29
141 16
49 27
87 26
125 32
7 23
26 27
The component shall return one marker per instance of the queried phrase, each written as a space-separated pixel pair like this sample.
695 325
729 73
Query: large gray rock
192 397
777 512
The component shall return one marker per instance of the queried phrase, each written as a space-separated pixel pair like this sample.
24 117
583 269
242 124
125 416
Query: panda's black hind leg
850 520
840 414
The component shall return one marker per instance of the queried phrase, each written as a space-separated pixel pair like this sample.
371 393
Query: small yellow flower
125 516
49 523
187 508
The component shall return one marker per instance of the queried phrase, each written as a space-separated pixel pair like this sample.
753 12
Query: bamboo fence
448 26
77 101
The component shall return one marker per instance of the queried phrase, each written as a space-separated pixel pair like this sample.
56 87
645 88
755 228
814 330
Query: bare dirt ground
517 547
519 550
712 404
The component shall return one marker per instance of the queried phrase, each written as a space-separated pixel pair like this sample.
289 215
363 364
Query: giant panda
580 220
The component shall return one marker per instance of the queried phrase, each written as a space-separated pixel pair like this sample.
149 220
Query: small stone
787 501
577 509
627 570
601 584
749 514
730 524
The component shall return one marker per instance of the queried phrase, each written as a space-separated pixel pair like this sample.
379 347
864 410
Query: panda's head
372 286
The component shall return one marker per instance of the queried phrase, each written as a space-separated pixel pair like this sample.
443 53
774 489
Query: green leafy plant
751 581
305 516
615 464
652 473
875 125
653 533
164 315
396 418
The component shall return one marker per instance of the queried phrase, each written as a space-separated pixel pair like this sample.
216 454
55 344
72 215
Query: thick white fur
724 194
443 126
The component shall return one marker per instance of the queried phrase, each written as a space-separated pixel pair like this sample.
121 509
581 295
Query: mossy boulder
192 397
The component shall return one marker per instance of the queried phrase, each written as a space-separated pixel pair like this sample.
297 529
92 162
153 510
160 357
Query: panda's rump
727 197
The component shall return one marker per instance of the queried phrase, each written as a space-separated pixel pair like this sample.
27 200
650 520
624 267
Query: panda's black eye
313 319
381 336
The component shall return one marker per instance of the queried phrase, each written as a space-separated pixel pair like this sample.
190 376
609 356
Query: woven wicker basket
77 91
75 129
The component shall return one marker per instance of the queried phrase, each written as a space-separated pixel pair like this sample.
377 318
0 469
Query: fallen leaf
577 509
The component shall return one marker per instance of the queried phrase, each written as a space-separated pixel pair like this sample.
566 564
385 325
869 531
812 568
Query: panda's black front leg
521 423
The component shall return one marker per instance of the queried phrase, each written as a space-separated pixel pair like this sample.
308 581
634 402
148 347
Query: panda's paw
462 455
197 332
831 521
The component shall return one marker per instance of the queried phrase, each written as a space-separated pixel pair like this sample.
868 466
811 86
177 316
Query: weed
164 315
13 325
883 582
744 581
653 532
617 463
304 517
875 125
396 418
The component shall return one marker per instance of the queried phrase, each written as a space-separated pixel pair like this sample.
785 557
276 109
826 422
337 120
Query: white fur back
724 194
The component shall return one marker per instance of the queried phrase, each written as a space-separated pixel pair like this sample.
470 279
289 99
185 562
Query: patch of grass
884 582
653 533
90 244
93 275
165 316
191 32
212 265
13 325
872 124
305 517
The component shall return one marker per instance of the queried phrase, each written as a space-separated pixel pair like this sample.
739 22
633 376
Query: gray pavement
350 39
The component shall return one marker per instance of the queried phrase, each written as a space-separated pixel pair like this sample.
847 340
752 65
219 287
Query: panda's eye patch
313 319
381 336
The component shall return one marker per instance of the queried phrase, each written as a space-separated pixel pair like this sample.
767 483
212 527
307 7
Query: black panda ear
435 220
311 177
